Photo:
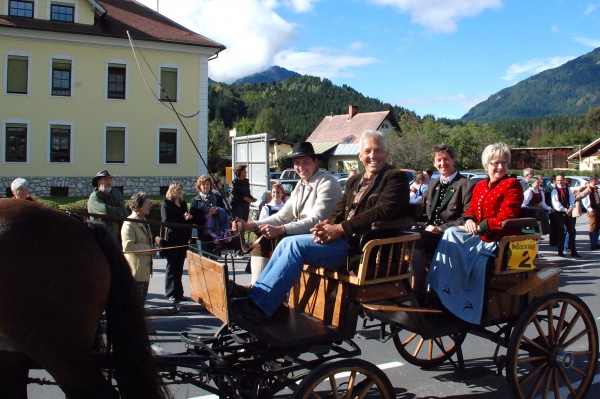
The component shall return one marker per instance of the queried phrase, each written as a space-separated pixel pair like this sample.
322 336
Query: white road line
383 366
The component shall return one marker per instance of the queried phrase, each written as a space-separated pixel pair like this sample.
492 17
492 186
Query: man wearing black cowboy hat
313 199
107 200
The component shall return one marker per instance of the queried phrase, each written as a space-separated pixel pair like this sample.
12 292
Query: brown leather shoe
238 290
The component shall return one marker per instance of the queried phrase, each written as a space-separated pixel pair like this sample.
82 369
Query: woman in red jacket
457 273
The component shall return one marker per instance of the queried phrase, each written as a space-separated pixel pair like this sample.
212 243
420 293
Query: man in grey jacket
313 199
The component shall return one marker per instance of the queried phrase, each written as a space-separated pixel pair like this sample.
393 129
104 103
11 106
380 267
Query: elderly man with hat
106 200
313 199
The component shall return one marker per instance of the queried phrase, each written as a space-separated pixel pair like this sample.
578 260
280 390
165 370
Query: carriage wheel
423 352
553 349
345 378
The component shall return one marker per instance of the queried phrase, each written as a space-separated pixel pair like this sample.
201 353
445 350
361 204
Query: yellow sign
522 254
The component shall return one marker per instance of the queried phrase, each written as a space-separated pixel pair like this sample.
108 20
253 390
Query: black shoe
575 254
238 290
172 299
561 254
247 309
594 247
182 299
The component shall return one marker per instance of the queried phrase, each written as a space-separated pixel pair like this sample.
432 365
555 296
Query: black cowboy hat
302 150
99 176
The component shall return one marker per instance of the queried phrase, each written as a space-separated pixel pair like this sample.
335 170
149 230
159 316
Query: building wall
590 163
548 158
88 111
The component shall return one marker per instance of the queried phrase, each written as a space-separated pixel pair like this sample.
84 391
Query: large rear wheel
553 349
345 378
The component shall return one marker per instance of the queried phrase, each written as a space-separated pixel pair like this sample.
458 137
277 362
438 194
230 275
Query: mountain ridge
570 89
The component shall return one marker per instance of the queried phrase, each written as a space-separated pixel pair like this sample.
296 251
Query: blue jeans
285 266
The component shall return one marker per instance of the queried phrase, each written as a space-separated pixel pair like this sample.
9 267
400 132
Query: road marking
383 366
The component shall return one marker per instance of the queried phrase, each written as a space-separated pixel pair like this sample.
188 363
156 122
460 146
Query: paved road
579 276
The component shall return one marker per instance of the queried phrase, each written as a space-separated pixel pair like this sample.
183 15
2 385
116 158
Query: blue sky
438 57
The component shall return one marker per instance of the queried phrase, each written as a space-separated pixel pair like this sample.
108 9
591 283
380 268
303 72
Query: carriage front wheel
345 378
553 349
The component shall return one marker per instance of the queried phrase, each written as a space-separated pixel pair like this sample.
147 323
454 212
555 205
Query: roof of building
346 149
121 16
587 151
346 130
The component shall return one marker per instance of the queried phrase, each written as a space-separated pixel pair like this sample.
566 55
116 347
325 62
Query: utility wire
171 106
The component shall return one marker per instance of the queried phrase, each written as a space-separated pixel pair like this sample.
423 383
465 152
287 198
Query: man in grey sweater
313 199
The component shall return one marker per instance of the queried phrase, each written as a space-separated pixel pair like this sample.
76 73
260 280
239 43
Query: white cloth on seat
457 273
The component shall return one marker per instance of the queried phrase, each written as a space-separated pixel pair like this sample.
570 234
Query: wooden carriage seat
511 288
335 296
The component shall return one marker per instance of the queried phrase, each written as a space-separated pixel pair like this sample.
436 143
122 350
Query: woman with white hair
20 189
457 273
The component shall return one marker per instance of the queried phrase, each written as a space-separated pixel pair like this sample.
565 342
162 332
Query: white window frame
3 144
35 7
116 61
17 54
71 141
177 144
118 126
70 3
170 66
59 57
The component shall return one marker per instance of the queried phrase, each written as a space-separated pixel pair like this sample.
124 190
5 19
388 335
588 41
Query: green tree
219 147
244 127
268 121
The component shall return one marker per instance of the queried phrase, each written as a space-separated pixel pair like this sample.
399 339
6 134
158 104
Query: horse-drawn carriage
550 337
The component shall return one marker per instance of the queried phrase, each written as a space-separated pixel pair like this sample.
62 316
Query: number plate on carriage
521 254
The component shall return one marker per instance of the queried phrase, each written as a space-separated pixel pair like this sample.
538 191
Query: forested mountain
271 75
290 109
570 89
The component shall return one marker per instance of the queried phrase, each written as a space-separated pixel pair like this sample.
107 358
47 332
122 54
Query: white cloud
257 38
531 67
440 16
590 9
300 5
586 41
322 62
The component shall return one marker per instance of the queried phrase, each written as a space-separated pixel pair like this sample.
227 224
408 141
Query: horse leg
14 374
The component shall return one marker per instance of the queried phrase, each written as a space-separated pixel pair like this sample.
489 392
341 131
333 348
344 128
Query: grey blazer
455 203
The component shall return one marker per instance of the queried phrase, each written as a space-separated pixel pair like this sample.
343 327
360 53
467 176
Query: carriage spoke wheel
553 349
423 352
345 378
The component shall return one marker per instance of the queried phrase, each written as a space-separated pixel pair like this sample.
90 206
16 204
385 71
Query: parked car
339 175
288 185
274 175
471 175
578 181
343 182
289 173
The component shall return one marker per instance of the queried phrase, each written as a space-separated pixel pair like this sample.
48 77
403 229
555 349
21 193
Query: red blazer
490 206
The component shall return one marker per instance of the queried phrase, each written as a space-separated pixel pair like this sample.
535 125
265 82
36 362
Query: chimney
352 110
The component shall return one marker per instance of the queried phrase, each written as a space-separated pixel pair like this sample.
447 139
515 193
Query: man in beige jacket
313 199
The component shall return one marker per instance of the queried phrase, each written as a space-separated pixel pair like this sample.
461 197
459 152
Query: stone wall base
82 186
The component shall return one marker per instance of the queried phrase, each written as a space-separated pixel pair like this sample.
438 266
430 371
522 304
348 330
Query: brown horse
57 276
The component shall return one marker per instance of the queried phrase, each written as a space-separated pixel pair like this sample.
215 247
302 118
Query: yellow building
77 99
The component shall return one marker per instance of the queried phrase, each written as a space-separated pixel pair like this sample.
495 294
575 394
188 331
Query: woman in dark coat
240 194
175 210
210 213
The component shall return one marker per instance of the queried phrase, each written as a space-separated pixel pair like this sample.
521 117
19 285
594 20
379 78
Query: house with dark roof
336 137
588 157
89 85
